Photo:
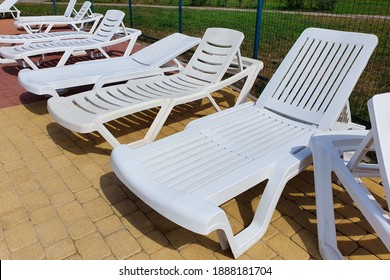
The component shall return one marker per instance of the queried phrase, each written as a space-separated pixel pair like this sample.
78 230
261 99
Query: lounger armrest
251 69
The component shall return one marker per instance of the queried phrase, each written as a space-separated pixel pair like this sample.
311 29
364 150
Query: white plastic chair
88 111
187 176
149 61
8 6
104 36
328 149
45 23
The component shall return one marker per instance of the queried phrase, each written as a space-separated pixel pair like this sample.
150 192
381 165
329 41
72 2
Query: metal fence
271 27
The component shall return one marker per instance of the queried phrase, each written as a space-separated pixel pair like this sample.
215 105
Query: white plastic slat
283 81
294 83
306 76
345 71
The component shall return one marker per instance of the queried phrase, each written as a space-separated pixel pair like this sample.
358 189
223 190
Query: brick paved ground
59 198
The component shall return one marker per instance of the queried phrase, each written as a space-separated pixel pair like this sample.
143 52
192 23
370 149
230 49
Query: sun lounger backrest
165 49
83 11
318 75
109 25
70 8
8 4
214 54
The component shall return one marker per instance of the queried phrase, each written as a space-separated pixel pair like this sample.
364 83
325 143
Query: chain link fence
280 22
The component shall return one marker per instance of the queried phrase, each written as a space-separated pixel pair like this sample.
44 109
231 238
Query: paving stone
180 237
308 241
139 256
97 209
14 165
59 162
12 219
161 223
113 194
51 231
77 182
124 207
166 253
286 225
35 199
71 213
7 156
261 251
20 236
196 252
62 198
152 241
363 254
5 254
61 250
87 195
42 214
10 202
286 248
123 244
81 228
92 247
138 224
31 252
109 225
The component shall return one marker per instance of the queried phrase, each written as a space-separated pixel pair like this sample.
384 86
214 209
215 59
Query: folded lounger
88 111
328 149
45 23
187 176
145 62
8 6
104 36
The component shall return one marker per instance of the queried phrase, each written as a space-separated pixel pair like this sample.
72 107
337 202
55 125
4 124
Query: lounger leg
107 135
65 57
324 203
157 124
270 197
251 78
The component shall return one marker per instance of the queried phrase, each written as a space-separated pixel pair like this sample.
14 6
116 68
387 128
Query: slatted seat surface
39 37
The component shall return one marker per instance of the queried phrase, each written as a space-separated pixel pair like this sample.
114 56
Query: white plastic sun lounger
104 36
69 11
144 63
88 111
8 6
328 149
43 37
45 24
187 176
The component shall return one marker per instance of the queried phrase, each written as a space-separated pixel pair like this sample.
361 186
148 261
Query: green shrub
294 4
326 5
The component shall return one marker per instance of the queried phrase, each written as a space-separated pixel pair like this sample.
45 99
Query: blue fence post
180 16
259 15
54 7
131 13
92 6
